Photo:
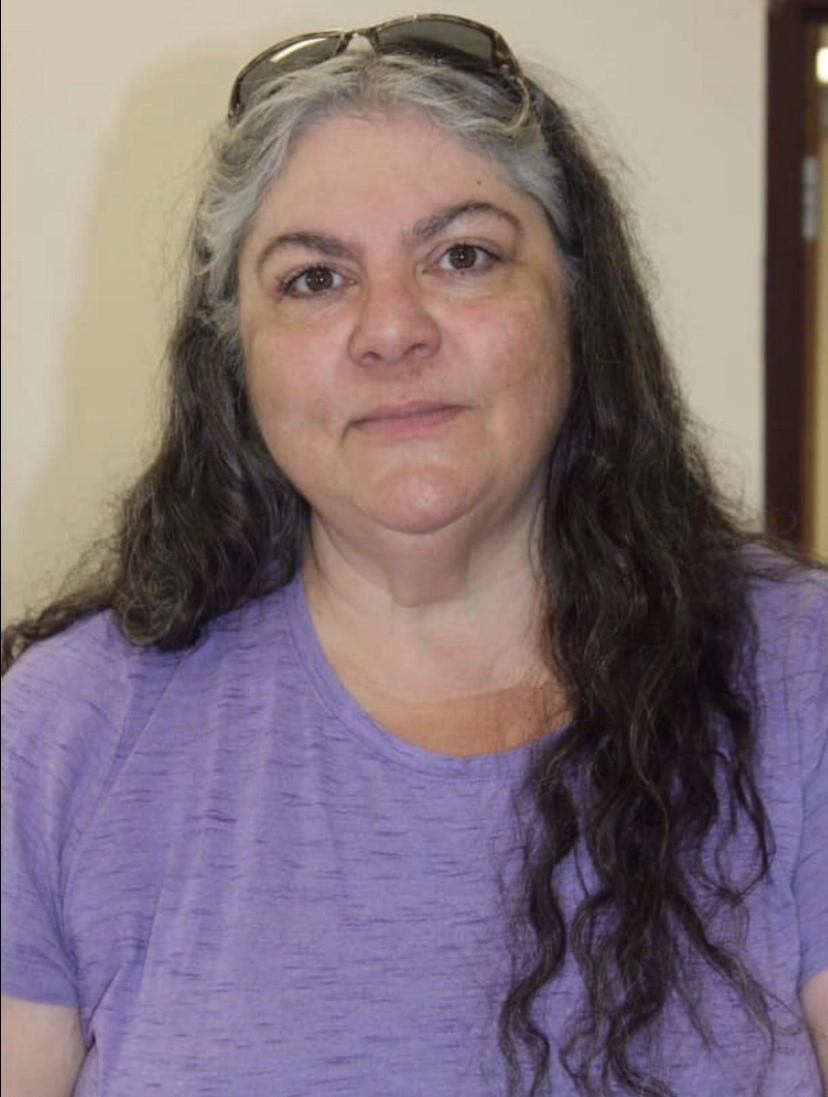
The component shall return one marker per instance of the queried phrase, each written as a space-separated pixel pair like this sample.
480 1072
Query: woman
432 728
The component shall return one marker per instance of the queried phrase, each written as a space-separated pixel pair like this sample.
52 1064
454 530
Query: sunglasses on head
447 39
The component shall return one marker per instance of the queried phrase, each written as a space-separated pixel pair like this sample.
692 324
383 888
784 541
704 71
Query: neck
428 619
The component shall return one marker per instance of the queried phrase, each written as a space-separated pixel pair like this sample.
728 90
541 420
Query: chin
420 506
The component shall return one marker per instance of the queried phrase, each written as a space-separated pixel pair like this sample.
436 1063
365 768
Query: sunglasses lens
460 43
299 55
439 38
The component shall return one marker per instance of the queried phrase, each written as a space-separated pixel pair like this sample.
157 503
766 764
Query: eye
466 257
312 281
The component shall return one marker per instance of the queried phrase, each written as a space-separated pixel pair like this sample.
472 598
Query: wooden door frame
787 377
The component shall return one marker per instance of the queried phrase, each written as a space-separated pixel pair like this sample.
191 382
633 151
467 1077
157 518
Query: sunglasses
447 39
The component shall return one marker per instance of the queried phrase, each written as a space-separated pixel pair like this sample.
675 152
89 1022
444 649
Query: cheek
289 416
528 356
284 393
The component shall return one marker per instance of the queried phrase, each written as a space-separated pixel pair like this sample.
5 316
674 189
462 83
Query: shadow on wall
111 383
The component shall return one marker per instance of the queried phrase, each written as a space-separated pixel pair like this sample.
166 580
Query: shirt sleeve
57 744
811 876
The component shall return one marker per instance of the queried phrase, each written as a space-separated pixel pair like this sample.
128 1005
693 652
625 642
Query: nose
393 324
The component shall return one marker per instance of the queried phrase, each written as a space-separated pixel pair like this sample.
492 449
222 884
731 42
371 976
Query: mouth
407 419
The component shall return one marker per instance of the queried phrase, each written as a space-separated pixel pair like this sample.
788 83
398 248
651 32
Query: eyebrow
428 227
311 241
437 222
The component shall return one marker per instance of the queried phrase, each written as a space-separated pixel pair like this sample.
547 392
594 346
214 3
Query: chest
291 913
267 934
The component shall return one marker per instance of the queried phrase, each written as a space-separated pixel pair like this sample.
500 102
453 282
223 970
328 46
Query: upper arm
814 998
42 1049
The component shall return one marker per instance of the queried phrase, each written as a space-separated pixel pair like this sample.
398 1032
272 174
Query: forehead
386 161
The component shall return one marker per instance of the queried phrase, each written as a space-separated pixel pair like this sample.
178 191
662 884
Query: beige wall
107 105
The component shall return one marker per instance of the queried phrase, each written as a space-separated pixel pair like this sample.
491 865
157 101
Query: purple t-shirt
248 887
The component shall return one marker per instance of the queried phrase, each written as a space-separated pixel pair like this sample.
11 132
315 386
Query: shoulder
89 668
73 704
87 657
66 704
93 662
790 608
788 597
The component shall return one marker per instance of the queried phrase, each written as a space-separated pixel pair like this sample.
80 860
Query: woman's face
403 321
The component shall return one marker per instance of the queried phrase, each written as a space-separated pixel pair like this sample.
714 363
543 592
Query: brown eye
463 256
313 280
467 257
318 280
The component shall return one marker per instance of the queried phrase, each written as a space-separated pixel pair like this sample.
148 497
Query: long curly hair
644 570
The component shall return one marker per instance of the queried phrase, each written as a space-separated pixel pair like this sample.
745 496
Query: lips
410 417
409 410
